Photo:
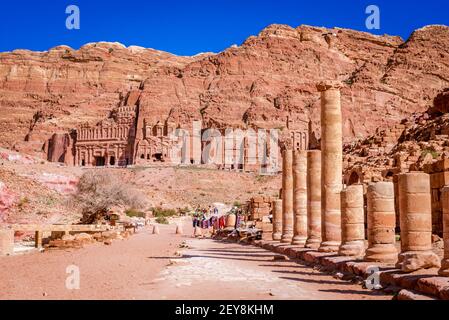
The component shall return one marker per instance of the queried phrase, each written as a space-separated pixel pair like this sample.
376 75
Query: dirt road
142 267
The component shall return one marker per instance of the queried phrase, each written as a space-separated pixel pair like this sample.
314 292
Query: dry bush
99 191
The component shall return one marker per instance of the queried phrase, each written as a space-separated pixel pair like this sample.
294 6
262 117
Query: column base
415 260
384 253
329 246
277 236
287 238
299 241
313 243
444 271
352 249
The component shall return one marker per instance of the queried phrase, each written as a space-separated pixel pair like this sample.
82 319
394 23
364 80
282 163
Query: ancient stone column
444 271
416 223
287 196
331 166
6 242
313 199
352 221
299 198
381 223
277 220
38 239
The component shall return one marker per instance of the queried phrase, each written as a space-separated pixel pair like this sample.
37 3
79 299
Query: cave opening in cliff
354 179
112 161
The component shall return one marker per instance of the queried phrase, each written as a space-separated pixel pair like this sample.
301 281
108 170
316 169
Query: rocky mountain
258 84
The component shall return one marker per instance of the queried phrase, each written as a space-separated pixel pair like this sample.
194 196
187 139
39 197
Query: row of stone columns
315 212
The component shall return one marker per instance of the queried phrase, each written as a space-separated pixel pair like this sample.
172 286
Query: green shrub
237 204
159 212
432 152
162 220
135 213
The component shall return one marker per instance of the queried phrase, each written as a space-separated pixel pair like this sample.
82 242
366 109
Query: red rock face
7 199
268 78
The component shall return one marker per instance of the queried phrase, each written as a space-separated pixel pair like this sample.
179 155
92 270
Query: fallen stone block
314 256
83 238
279 258
405 295
173 262
334 261
291 252
433 285
298 253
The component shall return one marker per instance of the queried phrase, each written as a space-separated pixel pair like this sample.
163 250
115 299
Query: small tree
98 191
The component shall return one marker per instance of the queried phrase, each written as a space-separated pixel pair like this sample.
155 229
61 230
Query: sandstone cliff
269 77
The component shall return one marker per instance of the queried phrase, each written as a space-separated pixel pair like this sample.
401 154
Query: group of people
206 218
211 218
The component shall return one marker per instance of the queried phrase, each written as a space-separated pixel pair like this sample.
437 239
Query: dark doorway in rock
158 156
99 161
112 161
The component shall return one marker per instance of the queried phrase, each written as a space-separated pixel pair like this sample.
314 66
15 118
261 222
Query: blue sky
191 26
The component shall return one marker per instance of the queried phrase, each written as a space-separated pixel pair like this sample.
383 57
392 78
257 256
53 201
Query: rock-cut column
277 220
416 223
299 198
444 271
287 196
381 223
331 166
352 221
313 199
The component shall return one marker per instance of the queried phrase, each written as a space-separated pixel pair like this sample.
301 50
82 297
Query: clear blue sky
191 26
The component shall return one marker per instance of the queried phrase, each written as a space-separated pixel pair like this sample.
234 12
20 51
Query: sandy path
123 270
216 270
139 268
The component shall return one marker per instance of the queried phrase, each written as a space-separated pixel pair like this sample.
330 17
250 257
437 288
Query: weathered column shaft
38 239
277 220
381 223
6 242
287 196
331 166
352 221
313 199
300 198
416 223
444 271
